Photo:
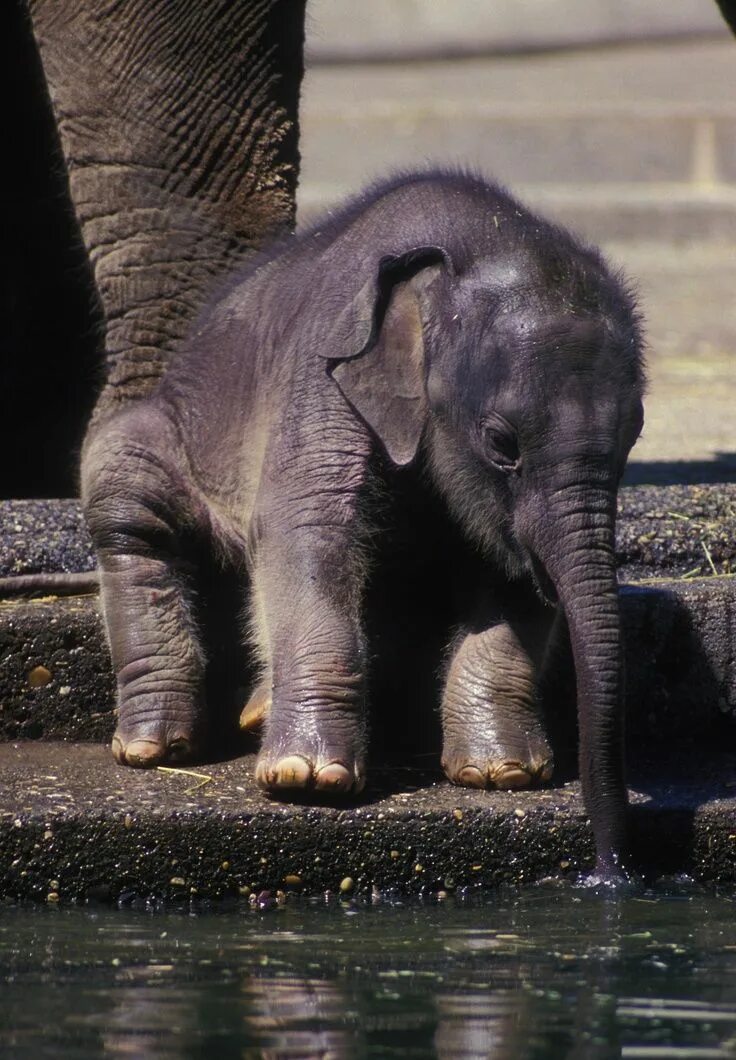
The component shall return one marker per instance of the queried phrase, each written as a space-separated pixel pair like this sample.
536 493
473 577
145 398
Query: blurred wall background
393 29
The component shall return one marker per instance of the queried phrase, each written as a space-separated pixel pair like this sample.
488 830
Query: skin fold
434 335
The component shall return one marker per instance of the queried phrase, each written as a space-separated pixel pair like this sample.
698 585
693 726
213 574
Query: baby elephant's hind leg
492 723
136 509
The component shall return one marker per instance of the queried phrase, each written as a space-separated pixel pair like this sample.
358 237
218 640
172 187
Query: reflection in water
530 976
298 1018
148 1019
270 1018
481 1025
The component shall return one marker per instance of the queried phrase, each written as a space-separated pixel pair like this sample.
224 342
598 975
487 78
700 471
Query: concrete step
74 827
523 144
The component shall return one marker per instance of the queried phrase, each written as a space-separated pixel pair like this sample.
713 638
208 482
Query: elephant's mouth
542 581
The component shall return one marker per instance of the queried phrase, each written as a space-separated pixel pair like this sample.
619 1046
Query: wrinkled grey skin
439 325
178 124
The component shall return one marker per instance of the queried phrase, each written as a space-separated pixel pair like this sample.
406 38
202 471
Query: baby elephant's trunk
574 540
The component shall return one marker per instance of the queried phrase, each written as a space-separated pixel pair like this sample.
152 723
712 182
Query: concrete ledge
75 826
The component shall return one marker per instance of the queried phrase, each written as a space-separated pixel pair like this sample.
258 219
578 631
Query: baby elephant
437 326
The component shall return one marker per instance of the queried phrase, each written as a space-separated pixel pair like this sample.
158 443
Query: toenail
510 775
334 775
143 753
471 777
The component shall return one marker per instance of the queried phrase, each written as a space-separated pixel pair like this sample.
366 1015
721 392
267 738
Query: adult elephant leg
492 722
141 518
178 123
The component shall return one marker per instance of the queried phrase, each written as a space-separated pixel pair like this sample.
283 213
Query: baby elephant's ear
385 379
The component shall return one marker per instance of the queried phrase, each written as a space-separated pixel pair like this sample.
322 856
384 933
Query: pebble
38 677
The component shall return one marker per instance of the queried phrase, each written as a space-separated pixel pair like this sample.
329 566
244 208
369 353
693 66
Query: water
552 971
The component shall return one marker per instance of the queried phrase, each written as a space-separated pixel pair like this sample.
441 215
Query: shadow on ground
681 472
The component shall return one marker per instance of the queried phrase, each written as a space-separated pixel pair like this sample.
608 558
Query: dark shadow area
676 781
679 723
50 342
681 472
231 667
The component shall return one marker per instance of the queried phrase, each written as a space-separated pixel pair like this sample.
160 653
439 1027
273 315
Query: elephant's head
522 372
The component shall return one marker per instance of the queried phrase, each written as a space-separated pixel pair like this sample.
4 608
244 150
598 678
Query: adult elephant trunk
573 537
178 123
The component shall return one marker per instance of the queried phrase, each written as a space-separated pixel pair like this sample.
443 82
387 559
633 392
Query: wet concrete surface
75 826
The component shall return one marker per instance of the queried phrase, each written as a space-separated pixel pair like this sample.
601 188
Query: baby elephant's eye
501 444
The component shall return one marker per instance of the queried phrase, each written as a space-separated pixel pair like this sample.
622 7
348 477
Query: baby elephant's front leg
493 728
308 594
136 511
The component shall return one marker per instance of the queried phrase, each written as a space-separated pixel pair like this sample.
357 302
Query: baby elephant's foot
294 761
156 737
144 752
296 772
519 764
